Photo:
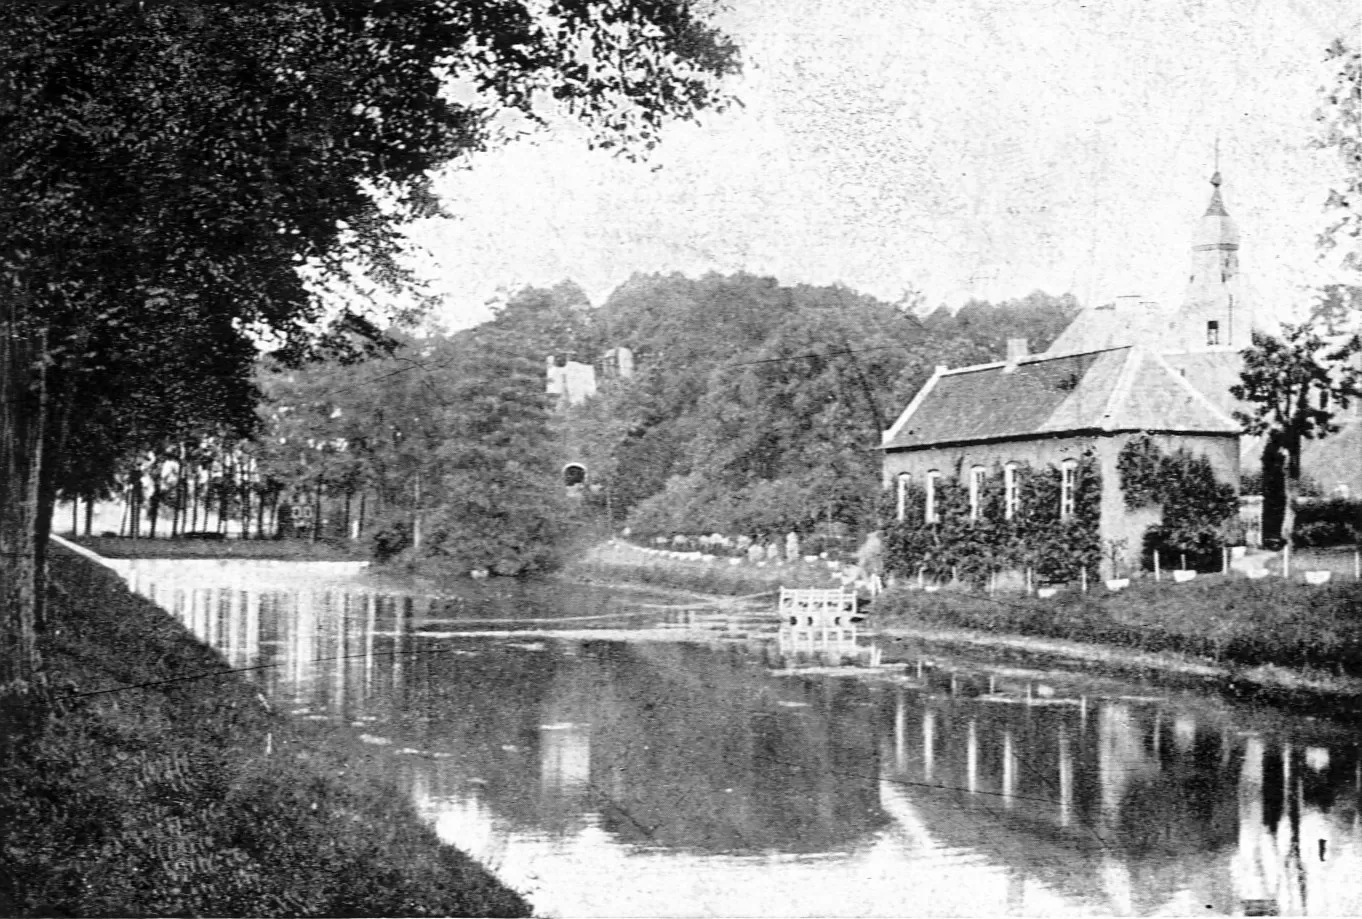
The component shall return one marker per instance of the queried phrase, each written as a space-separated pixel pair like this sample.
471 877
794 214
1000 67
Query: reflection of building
1102 803
1299 852
564 757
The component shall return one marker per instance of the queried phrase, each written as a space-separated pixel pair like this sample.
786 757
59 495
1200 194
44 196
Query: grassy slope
186 796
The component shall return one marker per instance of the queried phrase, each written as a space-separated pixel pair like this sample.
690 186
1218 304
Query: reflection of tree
692 749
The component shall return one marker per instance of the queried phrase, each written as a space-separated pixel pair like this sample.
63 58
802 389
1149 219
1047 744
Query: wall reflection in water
562 763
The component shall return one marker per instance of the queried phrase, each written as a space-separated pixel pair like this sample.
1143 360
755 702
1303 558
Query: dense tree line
754 408
758 408
170 165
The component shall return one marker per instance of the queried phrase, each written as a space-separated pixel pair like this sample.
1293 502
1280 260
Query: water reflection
668 778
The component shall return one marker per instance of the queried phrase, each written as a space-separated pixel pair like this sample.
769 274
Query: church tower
1215 314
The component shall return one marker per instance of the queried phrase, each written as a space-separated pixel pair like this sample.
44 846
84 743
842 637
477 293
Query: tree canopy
1295 385
168 167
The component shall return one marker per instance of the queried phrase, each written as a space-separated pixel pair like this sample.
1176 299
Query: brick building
1052 409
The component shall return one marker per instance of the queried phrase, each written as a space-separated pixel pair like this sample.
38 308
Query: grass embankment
295 550
619 563
130 787
1230 621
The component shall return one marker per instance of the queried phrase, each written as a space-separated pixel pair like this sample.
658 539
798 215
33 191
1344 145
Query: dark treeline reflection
1118 803
673 746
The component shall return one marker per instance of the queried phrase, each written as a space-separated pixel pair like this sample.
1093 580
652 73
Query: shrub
1335 522
1036 537
1195 505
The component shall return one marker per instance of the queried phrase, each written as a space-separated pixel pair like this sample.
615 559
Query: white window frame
1009 491
929 514
1068 474
976 486
902 482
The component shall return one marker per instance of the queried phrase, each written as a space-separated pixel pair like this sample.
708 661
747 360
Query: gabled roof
1120 389
1115 325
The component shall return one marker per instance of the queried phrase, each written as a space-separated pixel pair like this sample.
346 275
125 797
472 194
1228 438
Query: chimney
1016 350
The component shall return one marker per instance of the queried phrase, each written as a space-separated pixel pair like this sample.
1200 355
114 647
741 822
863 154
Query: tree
167 167
1295 384
1340 119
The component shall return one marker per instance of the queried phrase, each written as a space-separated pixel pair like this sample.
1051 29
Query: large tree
167 167
1294 385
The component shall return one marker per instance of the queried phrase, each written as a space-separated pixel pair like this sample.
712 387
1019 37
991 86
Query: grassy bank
621 563
1241 622
296 550
131 785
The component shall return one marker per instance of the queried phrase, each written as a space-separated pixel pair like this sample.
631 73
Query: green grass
1232 621
124 794
299 550
625 564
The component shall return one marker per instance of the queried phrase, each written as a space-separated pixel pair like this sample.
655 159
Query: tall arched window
1010 491
976 490
929 515
901 496
1067 473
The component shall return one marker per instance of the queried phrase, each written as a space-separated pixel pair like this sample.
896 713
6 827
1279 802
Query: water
604 767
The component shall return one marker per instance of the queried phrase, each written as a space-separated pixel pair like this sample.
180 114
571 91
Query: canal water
614 753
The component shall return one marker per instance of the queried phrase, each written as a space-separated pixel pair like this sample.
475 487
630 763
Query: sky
956 148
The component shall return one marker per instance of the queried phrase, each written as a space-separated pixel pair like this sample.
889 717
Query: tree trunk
359 520
416 516
22 422
135 507
89 515
1274 490
154 505
1292 448
316 512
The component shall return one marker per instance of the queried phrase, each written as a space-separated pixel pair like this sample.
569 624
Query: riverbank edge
141 775
1285 687
1297 689
287 550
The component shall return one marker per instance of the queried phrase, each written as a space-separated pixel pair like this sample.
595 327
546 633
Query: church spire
1217 229
1217 206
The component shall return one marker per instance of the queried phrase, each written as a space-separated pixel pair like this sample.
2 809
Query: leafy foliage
755 406
1038 536
450 437
175 169
1195 505
1294 384
1340 119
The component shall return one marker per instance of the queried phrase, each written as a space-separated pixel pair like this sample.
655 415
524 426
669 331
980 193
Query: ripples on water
648 778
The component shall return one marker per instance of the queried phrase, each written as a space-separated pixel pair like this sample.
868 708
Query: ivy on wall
1196 505
1038 537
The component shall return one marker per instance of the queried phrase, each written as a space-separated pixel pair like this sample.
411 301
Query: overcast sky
954 147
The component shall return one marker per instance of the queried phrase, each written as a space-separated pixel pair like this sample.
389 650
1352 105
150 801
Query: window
1212 333
1067 473
976 487
1010 491
902 495
929 516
